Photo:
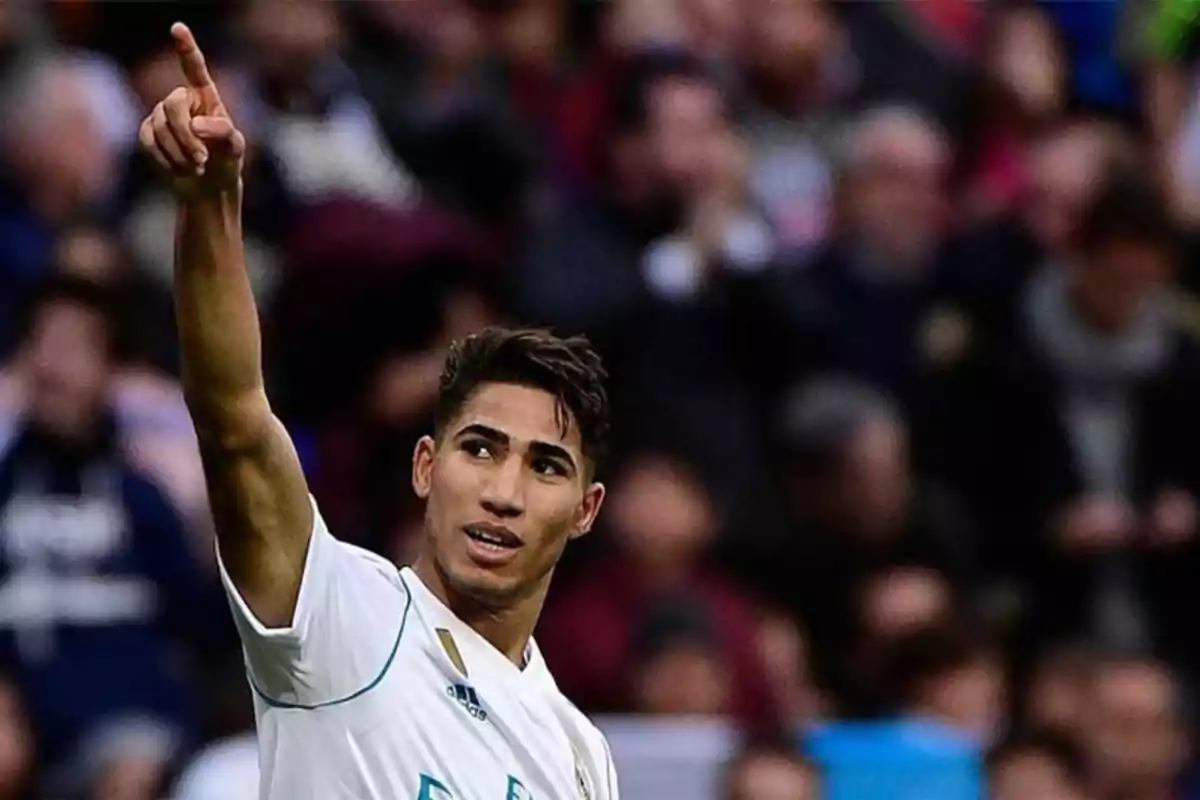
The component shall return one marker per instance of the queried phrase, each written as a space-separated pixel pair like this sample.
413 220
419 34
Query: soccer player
368 681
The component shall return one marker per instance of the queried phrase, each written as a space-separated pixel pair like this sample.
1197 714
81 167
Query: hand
1172 519
1095 524
190 135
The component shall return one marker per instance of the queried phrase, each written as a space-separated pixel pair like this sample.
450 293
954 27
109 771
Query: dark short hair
568 368
1129 206
642 74
932 653
98 298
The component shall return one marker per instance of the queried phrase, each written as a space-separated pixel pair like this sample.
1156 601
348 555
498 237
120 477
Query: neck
507 627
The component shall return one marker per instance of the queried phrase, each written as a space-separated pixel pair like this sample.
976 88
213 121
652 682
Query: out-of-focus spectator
991 262
679 667
18 763
1038 765
1023 93
128 760
57 156
854 510
461 115
1134 731
800 76
656 604
153 426
771 773
1057 691
949 675
786 656
869 296
95 564
306 109
672 208
645 266
1090 470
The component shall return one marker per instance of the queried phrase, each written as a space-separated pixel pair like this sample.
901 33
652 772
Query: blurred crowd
897 298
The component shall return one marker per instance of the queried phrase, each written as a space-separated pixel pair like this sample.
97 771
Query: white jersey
378 692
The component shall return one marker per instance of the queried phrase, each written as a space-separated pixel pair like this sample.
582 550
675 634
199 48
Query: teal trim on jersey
383 672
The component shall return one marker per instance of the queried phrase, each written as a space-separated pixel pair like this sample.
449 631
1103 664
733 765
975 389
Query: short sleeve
345 631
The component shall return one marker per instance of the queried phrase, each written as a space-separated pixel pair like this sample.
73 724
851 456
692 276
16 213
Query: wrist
210 201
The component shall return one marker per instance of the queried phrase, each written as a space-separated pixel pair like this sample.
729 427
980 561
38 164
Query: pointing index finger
191 60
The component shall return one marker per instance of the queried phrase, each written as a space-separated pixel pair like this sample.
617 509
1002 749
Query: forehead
523 413
1136 686
61 316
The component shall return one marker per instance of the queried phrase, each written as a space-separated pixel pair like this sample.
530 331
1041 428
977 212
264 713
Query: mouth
492 543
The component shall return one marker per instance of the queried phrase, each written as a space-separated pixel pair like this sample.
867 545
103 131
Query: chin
484 586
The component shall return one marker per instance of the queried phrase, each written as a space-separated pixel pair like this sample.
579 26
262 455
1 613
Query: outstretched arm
257 489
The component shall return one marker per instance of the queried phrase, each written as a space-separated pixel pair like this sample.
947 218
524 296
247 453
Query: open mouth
493 537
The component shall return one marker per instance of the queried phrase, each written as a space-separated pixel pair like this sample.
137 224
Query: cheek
551 517
451 487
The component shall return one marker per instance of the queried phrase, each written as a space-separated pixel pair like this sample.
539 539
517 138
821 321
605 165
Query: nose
502 494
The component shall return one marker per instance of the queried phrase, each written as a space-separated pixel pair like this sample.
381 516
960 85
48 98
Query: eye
549 467
477 448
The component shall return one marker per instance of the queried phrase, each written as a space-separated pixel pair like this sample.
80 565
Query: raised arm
256 487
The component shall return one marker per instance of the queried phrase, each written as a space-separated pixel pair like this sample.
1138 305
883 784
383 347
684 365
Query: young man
420 684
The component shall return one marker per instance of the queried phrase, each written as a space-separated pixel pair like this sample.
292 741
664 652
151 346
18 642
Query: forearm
219 336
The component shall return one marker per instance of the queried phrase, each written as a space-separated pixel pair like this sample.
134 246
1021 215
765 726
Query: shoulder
376 563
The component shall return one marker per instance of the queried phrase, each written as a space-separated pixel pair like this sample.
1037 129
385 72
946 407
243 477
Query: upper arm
261 512
344 631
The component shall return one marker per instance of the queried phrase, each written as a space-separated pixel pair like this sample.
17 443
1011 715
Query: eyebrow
542 449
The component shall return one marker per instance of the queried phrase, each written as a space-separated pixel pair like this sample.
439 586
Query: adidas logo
466 697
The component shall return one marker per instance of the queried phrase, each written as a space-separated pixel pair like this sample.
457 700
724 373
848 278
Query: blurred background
898 298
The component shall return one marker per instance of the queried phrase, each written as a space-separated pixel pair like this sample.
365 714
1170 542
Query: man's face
1131 733
1033 774
69 369
970 699
1112 284
686 125
683 680
506 488
897 195
873 488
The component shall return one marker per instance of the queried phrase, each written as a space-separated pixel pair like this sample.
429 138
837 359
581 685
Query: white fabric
358 700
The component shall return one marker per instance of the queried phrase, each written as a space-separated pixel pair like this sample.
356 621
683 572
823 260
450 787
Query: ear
422 466
589 509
